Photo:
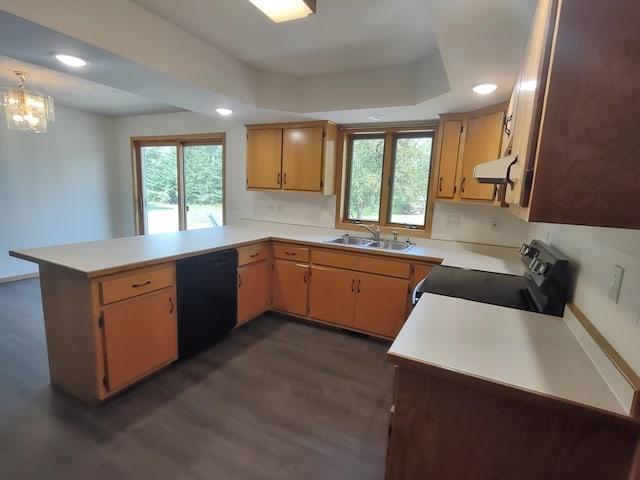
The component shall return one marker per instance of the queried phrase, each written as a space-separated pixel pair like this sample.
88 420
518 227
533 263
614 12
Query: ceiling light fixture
26 110
224 111
484 88
285 10
71 61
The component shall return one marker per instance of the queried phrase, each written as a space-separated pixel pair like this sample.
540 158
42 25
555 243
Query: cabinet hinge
324 133
321 184
461 128
101 321
246 180
105 382
455 189
247 136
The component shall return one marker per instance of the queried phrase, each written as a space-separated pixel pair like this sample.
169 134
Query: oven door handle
414 297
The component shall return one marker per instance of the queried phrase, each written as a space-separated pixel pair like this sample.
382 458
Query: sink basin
348 240
388 245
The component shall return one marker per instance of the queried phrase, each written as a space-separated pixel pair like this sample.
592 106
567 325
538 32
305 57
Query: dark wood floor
277 399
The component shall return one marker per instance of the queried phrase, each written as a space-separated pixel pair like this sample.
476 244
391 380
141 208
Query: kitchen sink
389 245
367 242
348 240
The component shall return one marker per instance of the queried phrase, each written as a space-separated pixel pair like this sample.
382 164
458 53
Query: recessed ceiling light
72 61
376 118
224 111
484 88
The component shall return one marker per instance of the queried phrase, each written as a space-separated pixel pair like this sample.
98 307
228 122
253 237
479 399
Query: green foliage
410 181
202 174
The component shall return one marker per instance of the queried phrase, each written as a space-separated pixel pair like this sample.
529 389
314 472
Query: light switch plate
615 282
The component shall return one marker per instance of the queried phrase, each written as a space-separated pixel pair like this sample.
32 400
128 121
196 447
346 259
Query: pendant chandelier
26 110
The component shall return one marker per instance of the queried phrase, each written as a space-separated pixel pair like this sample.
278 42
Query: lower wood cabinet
139 336
254 293
290 281
371 303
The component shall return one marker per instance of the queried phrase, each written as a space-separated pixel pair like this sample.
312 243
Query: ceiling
406 60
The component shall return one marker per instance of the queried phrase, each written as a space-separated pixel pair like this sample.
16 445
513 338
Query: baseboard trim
15 278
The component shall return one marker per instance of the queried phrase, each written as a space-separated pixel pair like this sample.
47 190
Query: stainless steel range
544 287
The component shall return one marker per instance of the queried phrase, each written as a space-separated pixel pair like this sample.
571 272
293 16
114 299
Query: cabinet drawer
290 252
253 253
136 282
362 263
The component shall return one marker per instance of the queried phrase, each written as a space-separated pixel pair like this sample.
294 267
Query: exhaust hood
495 171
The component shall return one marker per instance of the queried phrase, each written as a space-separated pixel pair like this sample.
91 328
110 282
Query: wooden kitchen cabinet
140 336
292 156
464 141
331 296
264 158
290 278
482 144
575 128
254 275
369 295
418 272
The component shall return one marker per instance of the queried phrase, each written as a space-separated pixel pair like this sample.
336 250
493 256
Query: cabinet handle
138 285
170 304
292 254
358 285
255 255
305 276
239 280
285 178
464 179
440 185
507 121
278 178
353 282
495 192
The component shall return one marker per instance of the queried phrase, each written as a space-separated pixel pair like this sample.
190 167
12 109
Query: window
179 182
386 178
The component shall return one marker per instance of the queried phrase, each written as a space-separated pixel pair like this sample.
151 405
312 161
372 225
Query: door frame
179 141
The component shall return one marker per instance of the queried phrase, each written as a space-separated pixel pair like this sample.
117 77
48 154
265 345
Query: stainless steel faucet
375 230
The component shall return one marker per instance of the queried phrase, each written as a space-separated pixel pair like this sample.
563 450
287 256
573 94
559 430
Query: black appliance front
479 286
207 300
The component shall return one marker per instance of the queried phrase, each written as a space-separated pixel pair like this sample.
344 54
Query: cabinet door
331 296
290 281
140 336
253 290
450 132
484 135
264 158
302 159
381 304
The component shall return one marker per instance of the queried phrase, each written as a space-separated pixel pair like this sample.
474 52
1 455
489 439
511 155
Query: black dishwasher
207 300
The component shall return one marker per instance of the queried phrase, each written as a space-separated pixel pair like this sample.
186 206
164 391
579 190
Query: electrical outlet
495 224
453 221
615 282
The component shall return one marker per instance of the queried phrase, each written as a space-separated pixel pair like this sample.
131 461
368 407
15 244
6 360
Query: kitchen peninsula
461 348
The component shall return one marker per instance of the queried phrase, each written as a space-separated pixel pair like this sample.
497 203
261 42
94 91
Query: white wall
303 209
474 225
55 187
594 251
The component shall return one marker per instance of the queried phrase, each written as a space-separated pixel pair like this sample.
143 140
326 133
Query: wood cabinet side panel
71 326
264 158
588 171
438 423
140 336
302 150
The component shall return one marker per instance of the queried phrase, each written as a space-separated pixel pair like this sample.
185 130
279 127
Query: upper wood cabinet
464 141
296 157
575 131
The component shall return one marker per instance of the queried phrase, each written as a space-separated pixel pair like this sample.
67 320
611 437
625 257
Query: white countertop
524 350
101 257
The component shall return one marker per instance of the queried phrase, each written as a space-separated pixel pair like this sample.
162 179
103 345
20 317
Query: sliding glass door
179 183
